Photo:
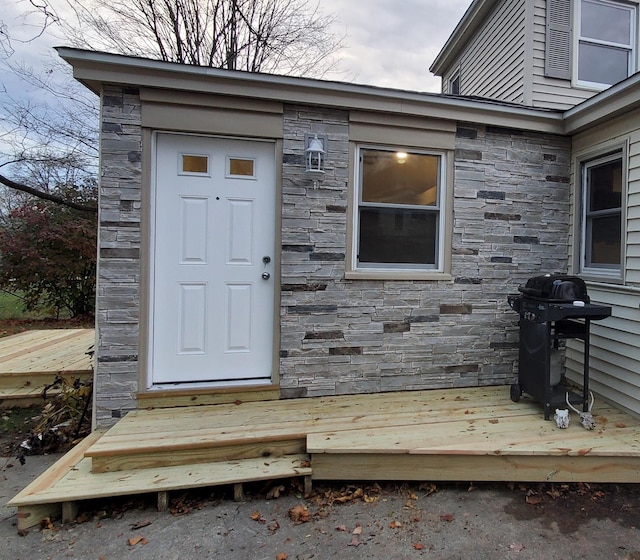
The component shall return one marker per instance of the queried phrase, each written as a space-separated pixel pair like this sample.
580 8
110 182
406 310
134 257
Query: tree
289 37
48 253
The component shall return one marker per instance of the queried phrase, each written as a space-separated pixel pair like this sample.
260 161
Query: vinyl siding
493 63
550 93
615 341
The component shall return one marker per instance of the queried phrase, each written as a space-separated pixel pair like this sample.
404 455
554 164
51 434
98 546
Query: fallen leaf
282 556
429 488
413 497
341 528
141 524
554 493
448 517
516 547
418 546
133 541
274 492
357 531
533 500
370 499
395 524
257 516
273 527
299 514
584 451
409 505
354 542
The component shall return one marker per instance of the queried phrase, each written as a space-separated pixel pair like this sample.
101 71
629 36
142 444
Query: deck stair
474 434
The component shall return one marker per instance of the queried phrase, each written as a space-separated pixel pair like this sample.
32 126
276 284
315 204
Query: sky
388 43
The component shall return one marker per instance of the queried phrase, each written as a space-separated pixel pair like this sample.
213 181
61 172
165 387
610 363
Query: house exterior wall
615 352
551 93
118 284
338 336
492 64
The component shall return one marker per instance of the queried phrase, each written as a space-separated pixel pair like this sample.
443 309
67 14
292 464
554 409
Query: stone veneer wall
346 336
118 304
511 207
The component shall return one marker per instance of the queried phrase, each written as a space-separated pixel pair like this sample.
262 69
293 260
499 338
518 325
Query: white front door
212 265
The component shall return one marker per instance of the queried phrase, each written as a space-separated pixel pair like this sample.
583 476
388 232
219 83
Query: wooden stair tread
279 431
80 483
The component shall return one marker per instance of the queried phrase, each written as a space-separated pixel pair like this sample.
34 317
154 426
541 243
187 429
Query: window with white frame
602 213
399 211
606 42
454 84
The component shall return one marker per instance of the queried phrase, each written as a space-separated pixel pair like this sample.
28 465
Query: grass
14 318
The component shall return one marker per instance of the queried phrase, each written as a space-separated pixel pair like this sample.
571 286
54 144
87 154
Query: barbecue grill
552 308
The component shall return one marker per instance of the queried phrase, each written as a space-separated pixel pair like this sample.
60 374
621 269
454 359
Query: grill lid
556 287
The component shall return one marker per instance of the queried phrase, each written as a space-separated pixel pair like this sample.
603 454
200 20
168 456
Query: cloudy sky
389 43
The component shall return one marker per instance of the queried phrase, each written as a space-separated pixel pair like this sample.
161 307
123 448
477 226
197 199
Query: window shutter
558 41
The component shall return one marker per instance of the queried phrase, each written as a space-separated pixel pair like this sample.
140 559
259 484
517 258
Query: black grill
552 308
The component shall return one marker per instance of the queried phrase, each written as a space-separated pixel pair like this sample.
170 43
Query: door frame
147 272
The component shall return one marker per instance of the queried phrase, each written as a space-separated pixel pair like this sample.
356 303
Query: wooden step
74 481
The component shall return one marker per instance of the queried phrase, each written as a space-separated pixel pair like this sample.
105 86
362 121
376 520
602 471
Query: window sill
426 275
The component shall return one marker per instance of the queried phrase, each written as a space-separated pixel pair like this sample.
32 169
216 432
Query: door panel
212 311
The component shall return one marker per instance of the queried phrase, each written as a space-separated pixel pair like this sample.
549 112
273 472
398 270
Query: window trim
632 48
454 77
400 271
583 163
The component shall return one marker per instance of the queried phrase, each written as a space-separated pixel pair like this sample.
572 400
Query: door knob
266 276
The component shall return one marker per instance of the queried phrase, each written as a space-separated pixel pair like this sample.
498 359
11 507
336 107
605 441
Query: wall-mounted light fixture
315 155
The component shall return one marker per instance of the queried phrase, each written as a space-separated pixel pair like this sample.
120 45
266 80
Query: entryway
212 262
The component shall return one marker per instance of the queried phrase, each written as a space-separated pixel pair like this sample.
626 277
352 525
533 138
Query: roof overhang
472 19
618 100
94 69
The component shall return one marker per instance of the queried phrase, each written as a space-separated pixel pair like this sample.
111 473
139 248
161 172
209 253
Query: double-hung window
399 219
606 42
602 214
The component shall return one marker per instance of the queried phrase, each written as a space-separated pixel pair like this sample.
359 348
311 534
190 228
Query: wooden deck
467 434
32 359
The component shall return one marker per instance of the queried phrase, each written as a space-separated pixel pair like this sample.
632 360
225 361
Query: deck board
32 359
468 434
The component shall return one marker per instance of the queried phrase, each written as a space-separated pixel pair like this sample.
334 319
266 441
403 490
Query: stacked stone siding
118 303
510 222
338 336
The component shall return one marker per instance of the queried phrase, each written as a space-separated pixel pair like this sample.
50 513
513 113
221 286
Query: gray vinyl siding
551 93
615 341
493 63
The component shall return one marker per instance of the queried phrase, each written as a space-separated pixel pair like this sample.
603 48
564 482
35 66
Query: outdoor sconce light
315 156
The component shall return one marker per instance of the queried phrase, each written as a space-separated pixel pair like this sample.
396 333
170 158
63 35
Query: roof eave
612 102
94 68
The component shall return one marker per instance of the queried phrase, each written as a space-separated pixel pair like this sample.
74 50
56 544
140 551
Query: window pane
399 178
605 22
242 167
398 236
195 164
604 246
601 64
605 186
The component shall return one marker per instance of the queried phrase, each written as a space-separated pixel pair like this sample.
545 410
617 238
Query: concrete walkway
394 521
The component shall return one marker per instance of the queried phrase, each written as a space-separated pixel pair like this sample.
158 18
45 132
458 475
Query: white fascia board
95 68
614 101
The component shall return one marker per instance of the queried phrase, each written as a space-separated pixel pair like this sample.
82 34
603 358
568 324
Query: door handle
266 276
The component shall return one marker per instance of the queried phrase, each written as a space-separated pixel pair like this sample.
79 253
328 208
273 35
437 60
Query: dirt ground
355 521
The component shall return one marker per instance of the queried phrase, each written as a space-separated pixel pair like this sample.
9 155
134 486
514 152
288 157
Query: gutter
95 68
606 105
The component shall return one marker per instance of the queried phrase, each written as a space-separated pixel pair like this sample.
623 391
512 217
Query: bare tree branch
46 196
